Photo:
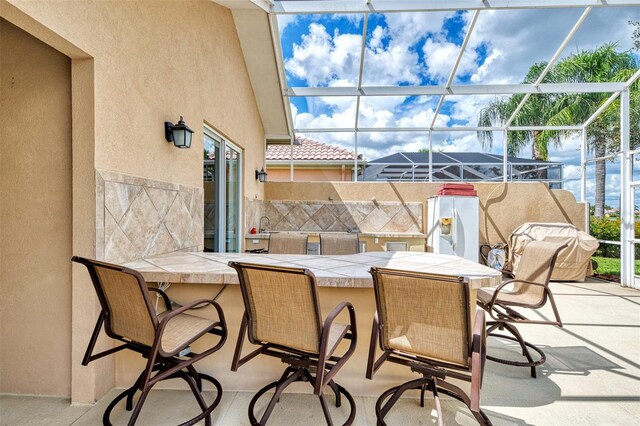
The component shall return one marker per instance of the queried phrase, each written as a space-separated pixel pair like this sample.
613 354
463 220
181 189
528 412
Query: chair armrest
328 322
478 356
478 331
196 303
507 282
165 298
321 378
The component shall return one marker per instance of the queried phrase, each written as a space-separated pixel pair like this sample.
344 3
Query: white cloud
322 58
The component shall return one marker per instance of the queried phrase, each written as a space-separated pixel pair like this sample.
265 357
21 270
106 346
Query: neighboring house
460 167
312 161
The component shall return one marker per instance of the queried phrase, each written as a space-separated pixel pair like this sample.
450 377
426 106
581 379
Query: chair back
339 244
424 314
535 265
287 243
281 305
124 299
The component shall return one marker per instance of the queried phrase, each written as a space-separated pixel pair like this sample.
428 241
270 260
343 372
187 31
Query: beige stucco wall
280 174
155 61
135 64
502 206
35 215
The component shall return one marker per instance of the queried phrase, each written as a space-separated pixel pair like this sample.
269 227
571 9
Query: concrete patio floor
591 377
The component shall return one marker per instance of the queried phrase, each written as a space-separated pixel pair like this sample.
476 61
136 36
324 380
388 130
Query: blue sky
420 49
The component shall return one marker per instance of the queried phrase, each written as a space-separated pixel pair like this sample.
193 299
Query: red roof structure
308 149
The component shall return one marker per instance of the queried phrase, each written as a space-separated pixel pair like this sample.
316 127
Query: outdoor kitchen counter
331 271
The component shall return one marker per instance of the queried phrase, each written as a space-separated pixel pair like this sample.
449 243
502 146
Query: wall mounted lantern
261 175
180 134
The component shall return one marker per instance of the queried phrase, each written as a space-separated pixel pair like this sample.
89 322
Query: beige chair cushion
507 297
282 305
181 330
534 266
130 315
339 244
425 316
288 243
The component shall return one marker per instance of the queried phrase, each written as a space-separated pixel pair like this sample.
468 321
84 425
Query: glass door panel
210 184
222 194
232 192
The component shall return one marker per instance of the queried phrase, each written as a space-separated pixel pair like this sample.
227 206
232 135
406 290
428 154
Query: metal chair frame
165 365
318 369
434 372
504 318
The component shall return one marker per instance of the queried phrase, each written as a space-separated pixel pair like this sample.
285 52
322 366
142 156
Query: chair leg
436 398
138 407
336 391
394 394
435 386
457 393
325 409
196 376
524 346
289 376
292 375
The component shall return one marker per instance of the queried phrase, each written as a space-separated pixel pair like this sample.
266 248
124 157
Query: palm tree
535 111
604 64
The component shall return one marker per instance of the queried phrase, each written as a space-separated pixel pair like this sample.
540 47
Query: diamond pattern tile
321 216
147 218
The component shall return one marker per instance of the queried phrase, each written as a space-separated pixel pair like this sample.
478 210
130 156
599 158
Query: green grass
611 266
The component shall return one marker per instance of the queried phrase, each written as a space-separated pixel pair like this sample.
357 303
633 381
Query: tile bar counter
340 278
331 271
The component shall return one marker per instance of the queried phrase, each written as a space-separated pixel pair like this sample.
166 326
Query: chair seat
507 297
181 330
336 333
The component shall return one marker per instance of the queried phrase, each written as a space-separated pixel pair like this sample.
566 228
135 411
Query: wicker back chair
164 339
530 289
287 243
339 243
424 321
282 316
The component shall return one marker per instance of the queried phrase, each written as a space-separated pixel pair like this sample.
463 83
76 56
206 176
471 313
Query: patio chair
424 321
287 243
163 339
282 316
339 243
530 290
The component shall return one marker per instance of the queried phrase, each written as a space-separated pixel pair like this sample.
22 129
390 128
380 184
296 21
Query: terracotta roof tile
308 149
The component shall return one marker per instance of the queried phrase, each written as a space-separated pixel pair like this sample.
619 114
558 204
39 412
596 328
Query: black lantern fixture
180 134
261 175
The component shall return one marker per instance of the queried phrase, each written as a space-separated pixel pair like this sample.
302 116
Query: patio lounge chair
163 339
424 322
282 316
287 243
339 243
530 290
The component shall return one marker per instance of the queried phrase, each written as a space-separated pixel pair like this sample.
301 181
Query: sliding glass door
222 194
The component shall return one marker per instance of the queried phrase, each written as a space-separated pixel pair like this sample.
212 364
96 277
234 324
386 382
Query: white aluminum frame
366 7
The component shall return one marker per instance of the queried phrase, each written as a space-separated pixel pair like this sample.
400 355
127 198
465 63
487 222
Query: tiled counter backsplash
138 217
335 216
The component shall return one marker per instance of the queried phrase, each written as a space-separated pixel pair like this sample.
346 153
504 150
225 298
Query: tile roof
308 149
